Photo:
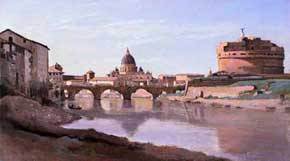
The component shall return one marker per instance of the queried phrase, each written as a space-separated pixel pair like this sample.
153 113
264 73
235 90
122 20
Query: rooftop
9 30
128 58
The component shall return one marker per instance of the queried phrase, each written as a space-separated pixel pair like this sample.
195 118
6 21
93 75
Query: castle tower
128 64
250 55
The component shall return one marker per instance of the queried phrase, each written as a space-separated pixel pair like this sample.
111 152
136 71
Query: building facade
55 74
181 79
127 75
24 62
167 80
250 55
177 80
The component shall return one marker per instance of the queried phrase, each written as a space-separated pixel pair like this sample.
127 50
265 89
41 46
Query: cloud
138 32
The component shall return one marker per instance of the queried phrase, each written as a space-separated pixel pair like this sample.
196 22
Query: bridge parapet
126 91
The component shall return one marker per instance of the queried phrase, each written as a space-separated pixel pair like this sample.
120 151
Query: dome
128 58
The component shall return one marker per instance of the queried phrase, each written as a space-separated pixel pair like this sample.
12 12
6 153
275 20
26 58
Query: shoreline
255 104
25 122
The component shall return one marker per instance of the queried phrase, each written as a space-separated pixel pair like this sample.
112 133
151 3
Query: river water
238 134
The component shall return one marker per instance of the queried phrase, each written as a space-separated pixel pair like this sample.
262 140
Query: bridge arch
142 93
126 91
111 93
84 93
84 99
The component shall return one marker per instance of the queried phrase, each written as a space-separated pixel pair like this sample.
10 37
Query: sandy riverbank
260 104
29 131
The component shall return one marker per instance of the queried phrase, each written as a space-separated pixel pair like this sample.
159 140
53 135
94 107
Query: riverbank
30 131
258 104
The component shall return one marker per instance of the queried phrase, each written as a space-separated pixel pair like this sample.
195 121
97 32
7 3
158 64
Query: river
238 134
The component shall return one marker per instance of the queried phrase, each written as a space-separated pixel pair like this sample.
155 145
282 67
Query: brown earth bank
29 131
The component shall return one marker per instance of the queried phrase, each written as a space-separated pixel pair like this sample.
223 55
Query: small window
24 40
234 54
243 53
10 39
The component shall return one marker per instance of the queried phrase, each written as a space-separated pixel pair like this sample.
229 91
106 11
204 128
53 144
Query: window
243 53
10 39
24 40
3 56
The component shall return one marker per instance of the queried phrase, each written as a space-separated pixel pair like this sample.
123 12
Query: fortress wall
251 65
219 91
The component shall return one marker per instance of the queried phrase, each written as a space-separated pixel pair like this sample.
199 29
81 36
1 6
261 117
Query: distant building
74 80
89 75
55 74
128 74
105 81
23 62
128 64
167 80
178 79
181 79
250 55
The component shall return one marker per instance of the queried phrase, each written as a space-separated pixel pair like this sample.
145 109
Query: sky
164 36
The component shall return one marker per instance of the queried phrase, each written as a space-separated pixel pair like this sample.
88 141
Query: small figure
242 32
201 94
282 98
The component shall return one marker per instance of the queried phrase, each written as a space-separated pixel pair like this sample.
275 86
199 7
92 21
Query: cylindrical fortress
250 55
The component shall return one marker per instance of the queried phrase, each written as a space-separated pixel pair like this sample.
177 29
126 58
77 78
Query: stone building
105 81
167 80
55 74
128 64
128 74
181 79
250 55
89 75
24 62
178 79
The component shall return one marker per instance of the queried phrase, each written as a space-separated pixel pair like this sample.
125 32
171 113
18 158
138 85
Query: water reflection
238 134
111 105
142 104
85 99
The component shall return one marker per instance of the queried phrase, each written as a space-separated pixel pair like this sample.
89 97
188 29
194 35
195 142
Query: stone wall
24 64
251 65
218 91
39 68
250 55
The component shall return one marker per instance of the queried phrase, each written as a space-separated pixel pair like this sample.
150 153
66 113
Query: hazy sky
164 36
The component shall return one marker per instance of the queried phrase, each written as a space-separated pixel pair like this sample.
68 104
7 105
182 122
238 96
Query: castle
250 55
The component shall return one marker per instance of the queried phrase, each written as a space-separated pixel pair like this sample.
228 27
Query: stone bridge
126 91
